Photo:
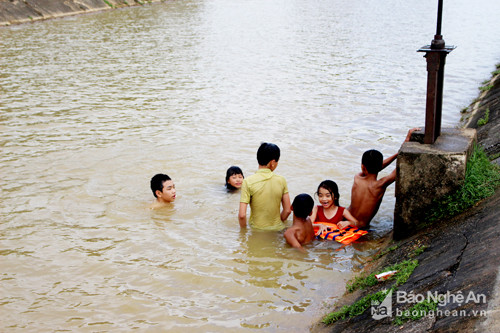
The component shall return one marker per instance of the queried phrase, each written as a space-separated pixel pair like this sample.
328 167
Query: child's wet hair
302 205
157 182
268 152
372 160
232 170
331 187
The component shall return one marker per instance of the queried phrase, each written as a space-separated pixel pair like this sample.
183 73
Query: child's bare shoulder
360 176
156 205
291 230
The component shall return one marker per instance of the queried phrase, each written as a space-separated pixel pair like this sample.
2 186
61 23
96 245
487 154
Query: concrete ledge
24 11
425 173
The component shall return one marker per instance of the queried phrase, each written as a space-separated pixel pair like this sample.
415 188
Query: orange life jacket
344 236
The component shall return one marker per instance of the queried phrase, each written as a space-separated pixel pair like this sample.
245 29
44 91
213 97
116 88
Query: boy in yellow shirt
265 192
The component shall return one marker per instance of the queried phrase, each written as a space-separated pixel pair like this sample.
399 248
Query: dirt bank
24 11
457 257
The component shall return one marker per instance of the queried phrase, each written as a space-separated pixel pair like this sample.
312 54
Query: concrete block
427 172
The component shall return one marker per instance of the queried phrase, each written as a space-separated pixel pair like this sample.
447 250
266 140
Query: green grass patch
384 252
484 120
108 3
361 282
481 180
416 312
486 87
419 250
404 269
357 308
497 71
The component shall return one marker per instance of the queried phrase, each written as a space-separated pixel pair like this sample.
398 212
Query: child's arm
314 213
408 136
351 220
285 201
242 215
291 238
322 227
391 159
383 182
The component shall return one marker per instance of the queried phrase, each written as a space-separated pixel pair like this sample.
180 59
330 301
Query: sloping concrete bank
483 115
24 11
458 258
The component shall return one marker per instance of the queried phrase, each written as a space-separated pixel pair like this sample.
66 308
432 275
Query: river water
92 106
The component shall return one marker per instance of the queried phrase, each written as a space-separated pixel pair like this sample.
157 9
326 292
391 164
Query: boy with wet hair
367 190
302 231
265 192
163 189
372 160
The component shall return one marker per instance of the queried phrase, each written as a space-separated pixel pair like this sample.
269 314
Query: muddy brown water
92 106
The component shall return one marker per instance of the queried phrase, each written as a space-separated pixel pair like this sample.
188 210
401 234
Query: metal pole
438 42
435 55
440 15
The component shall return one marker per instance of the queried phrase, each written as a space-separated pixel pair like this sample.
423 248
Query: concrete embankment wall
484 115
24 11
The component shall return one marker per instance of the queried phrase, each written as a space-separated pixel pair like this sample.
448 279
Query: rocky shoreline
456 257
17 12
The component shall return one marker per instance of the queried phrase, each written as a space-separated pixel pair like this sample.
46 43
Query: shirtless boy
163 189
368 191
301 232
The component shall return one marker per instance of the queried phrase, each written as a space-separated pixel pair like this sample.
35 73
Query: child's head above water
234 178
163 188
302 205
327 190
372 160
268 152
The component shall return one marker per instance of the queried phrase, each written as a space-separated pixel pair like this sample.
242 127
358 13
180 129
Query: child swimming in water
163 188
234 178
329 210
302 230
